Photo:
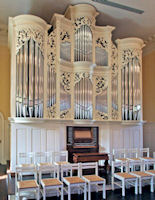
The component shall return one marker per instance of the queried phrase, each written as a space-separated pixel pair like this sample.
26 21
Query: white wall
51 136
149 136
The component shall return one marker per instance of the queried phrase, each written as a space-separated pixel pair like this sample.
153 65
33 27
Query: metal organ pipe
29 80
131 97
83 99
83 44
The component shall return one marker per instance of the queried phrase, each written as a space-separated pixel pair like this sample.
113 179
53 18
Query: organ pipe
118 93
83 99
131 96
83 44
29 80
115 92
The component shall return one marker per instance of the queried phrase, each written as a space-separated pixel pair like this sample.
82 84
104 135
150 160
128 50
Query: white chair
131 153
26 187
60 157
150 171
93 179
134 162
42 157
50 186
143 177
26 159
73 183
119 153
144 155
124 177
144 152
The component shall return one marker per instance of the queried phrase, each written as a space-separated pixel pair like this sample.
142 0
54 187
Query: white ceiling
127 24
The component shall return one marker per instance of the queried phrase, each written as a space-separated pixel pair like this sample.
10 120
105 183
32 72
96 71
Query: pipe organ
69 73
71 69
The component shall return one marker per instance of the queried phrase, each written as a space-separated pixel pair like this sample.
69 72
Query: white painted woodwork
49 133
149 136
51 136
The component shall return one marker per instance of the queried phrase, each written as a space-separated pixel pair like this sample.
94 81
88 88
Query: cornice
3 34
150 45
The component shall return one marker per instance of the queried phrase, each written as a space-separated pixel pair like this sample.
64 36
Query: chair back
119 153
131 153
22 171
139 164
144 152
25 158
120 165
51 169
89 166
70 170
60 156
42 157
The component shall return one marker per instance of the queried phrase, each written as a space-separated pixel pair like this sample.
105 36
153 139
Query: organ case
71 69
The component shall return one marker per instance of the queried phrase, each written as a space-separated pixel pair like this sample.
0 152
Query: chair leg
152 188
62 195
85 191
140 186
112 182
18 195
89 192
136 186
123 188
104 191
38 194
44 194
69 192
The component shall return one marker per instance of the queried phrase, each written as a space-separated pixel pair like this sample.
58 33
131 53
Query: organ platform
71 73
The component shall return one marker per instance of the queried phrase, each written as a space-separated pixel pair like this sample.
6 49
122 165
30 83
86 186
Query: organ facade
71 72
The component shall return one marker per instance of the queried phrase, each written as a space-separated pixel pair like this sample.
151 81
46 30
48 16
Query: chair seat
148 158
62 163
141 174
27 184
122 159
44 164
27 165
50 182
74 179
125 175
151 171
134 159
93 178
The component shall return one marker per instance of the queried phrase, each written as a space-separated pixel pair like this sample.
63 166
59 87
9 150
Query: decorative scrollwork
101 84
129 54
114 114
101 115
82 21
114 56
51 49
79 76
51 111
64 36
102 43
66 81
26 32
65 114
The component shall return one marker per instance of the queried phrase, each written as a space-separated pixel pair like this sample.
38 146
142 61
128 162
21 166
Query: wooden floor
7 193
